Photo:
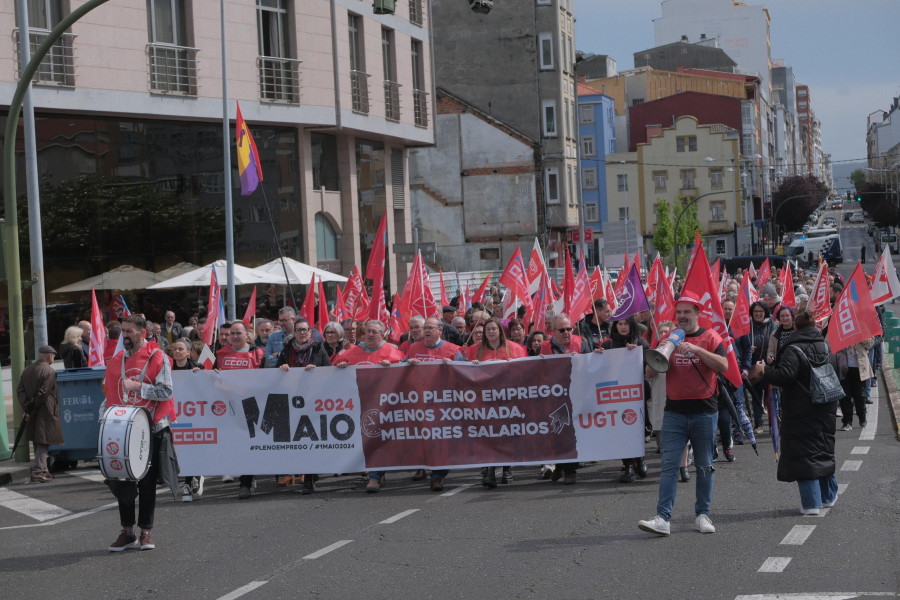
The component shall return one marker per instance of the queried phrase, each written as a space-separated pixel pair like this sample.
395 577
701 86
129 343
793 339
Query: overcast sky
846 51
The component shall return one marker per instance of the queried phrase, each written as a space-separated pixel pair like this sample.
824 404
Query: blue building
597 137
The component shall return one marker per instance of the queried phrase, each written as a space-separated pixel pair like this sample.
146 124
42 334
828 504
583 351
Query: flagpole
287 279
226 165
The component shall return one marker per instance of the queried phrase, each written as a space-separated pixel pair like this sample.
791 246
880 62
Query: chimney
702 36
684 38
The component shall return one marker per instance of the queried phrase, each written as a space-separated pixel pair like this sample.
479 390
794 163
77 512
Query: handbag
824 384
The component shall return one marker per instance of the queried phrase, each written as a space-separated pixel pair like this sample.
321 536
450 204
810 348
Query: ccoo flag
249 168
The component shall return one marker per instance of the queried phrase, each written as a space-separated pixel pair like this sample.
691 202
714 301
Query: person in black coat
807 429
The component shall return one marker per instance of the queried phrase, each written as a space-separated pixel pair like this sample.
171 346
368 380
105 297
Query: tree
878 203
662 239
795 200
689 224
858 178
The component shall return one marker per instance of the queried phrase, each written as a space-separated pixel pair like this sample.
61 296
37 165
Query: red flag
417 299
323 307
623 275
212 308
715 272
625 264
698 282
272 293
751 271
609 292
819 301
535 268
664 298
98 334
308 308
765 273
787 286
854 318
885 285
582 297
444 301
398 324
637 261
207 358
596 284
740 319
375 271
543 297
515 279
478 296
340 309
654 277
466 301
250 313
118 308
355 299
569 288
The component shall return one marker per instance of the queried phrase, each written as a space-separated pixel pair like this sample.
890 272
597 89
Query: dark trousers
725 427
757 396
144 491
854 396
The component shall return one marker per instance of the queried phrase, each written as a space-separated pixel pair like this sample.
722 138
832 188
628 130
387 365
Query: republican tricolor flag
98 334
249 168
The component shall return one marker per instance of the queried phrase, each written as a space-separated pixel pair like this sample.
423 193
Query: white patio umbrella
180 268
200 277
124 277
297 271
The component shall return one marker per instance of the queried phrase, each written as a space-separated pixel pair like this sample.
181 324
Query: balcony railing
688 191
420 107
392 100
173 69
359 90
58 66
279 79
415 12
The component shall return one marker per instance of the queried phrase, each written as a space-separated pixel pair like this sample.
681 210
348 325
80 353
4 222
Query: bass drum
124 443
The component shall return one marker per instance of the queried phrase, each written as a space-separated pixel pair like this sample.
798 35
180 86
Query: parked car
857 218
888 239
829 221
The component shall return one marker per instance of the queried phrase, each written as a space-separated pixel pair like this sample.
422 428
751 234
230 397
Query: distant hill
842 171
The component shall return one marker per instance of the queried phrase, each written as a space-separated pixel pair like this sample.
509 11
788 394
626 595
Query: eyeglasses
301 329
331 331
431 327
565 330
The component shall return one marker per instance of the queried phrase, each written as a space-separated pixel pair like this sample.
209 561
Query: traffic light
848 196
859 198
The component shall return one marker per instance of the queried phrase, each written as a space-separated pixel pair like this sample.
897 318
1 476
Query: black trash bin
80 397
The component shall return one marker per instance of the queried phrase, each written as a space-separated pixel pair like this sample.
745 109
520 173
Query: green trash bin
80 397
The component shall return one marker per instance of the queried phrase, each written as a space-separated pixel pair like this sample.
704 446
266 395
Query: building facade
597 135
129 127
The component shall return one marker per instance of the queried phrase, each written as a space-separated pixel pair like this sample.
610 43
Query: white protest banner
329 420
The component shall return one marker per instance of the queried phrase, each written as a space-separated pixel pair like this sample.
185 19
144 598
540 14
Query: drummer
141 375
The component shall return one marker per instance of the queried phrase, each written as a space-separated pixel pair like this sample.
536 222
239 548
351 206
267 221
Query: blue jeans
677 430
815 492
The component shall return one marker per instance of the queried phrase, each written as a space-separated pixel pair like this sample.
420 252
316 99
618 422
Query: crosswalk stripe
30 507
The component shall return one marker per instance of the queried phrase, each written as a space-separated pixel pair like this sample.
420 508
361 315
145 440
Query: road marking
243 590
797 535
867 433
399 516
860 450
813 596
91 475
327 549
851 465
842 487
458 490
31 507
774 564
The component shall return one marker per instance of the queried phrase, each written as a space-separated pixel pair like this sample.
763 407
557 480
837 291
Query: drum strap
143 371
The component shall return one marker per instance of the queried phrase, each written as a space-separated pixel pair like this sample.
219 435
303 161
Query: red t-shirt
228 358
690 391
512 350
444 349
574 346
357 355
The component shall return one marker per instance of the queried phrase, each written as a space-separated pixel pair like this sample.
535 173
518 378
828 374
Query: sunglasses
565 330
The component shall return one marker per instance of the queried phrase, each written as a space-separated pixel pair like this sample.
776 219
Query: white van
828 246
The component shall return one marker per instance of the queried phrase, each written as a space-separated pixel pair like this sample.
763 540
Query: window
587 146
552 185
687 179
326 240
58 66
391 87
545 45
420 96
590 179
717 209
802 105
489 253
686 143
415 12
720 248
278 72
586 112
323 149
359 84
623 213
659 179
566 117
570 190
716 178
591 213
173 66
549 118
622 182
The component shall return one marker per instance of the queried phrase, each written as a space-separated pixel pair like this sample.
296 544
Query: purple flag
631 298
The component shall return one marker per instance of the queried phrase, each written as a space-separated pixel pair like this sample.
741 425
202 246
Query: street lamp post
681 214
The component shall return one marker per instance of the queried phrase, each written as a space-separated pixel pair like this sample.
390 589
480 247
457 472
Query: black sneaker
123 542
506 475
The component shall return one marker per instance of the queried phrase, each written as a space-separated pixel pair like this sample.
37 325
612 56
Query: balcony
173 69
392 100
58 65
279 79
359 90
688 192
420 107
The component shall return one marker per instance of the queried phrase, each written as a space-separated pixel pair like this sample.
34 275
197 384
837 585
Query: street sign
407 252
576 235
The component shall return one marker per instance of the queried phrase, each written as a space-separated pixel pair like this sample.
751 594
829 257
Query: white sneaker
829 504
227 478
186 493
197 485
703 524
656 525
809 512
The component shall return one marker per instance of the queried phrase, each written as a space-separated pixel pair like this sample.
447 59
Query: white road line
243 590
398 516
867 433
842 487
774 564
813 596
326 549
458 490
860 450
851 465
31 507
797 535
91 475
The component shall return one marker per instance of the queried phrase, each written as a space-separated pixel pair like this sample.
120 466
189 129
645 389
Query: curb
894 397
11 472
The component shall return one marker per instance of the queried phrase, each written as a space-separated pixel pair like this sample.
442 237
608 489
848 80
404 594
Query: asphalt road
532 538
